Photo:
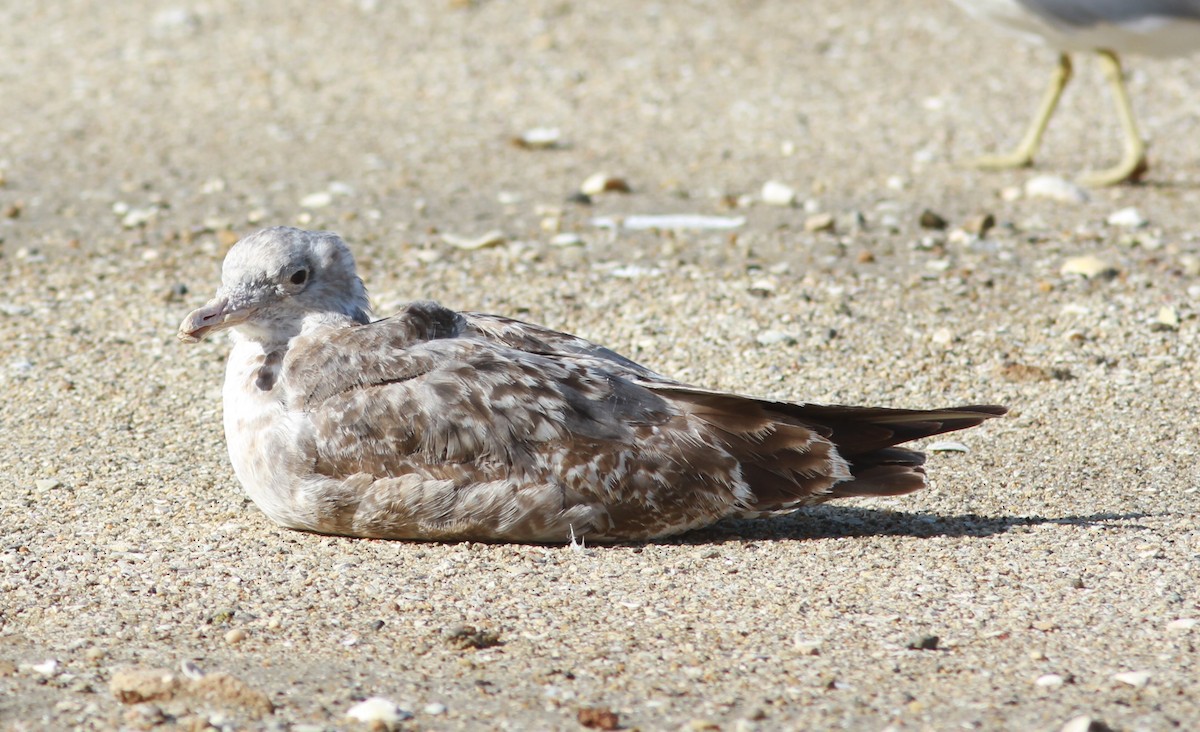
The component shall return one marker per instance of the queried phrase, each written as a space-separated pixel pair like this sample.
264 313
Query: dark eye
300 276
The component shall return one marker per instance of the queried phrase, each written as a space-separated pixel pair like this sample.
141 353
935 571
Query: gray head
274 279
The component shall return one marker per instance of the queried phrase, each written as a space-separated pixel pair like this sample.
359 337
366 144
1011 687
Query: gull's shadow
833 522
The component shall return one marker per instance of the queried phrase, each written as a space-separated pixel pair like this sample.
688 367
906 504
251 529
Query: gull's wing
373 396
356 355
538 339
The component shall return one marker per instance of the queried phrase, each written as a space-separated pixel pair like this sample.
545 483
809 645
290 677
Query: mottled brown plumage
433 424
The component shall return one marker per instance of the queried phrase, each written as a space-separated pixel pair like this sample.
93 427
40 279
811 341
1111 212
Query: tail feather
861 430
890 471
878 466
796 454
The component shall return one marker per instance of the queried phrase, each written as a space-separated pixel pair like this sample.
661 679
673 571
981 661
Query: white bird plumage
434 424
1109 28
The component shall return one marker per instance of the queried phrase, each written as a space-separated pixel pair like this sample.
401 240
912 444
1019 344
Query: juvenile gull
1158 28
434 424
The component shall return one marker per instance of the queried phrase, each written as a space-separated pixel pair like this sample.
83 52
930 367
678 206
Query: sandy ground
1056 560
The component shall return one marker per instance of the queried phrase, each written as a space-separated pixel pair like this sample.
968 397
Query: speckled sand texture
1056 560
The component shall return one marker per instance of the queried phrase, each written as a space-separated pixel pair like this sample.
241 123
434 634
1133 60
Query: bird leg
1133 161
1022 155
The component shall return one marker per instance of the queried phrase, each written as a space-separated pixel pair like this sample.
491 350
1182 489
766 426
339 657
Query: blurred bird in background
1108 28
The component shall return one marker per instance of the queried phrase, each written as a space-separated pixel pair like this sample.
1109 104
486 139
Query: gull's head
275 279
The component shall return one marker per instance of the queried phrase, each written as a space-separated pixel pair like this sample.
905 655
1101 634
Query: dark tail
867 437
796 454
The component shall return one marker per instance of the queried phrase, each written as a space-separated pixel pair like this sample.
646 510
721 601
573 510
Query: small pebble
175 21
1055 189
145 716
924 643
235 636
598 183
820 222
539 138
1084 723
1127 218
340 188
775 193
980 224
191 670
1167 318
946 446
1182 624
931 220
568 239
762 287
806 646
21 366
1089 266
635 272
45 668
138 217
320 199
434 709
47 484
774 337
1050 681
681 222
1136 679
598 718
378 712
493 238
175 293
463 637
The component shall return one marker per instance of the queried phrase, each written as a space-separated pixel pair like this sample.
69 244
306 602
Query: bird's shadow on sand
834 522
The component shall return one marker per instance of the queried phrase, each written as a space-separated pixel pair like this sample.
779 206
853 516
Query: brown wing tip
985 411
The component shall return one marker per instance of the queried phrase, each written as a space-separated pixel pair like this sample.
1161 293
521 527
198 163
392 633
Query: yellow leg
1133 161
1022 155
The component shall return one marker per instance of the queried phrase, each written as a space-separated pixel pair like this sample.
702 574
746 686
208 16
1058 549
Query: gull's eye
299 277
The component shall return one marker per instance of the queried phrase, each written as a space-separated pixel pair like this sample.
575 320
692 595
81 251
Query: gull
1157 28
441 425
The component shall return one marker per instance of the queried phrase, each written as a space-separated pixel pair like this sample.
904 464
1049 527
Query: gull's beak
218 314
